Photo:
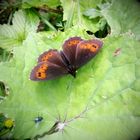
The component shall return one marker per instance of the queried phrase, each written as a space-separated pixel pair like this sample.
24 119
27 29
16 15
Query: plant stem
70 16
49 24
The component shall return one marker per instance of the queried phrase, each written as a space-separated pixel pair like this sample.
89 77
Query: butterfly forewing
52 56
45 56
69 48
86 50
47 71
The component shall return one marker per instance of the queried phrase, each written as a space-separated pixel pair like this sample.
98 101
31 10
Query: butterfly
74 54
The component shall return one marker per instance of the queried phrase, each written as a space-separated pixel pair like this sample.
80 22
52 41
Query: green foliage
102 102
13 35
123 16
5 55
6 124
73 13
37 3
93 13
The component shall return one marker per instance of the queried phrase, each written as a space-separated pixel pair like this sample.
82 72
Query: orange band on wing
41 72
46 57
73 42
90 46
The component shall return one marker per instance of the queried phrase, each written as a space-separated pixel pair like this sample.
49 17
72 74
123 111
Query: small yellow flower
8 123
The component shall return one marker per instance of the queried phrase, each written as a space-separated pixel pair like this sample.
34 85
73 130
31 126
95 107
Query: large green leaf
23 23
108 86
102 102
123 16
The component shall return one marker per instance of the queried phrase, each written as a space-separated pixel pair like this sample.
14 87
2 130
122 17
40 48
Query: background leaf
123 16
23 23
38 3
92 13
73 13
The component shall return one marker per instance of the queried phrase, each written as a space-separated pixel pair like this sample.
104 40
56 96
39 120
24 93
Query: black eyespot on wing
47 71
46 56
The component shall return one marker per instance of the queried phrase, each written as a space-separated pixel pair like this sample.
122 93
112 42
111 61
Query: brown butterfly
75 53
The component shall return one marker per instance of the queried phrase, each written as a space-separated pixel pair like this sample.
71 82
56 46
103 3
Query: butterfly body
70 68
53 63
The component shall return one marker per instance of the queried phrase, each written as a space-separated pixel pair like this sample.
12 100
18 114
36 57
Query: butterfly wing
69 49
86 50
50 65
45 56
47 71
52 56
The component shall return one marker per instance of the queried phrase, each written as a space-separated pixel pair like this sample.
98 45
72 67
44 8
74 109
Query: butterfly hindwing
46 71
50 65
69 48
86 50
